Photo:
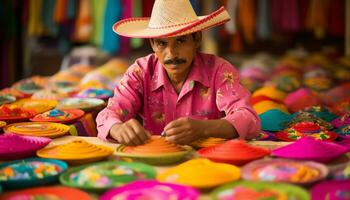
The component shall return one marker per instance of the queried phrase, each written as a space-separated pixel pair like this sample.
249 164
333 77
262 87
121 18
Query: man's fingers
140 133
174 124
175 131
131 136
122 139
179 139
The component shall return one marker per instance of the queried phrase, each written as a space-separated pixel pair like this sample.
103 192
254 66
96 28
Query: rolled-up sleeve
125 103
233 99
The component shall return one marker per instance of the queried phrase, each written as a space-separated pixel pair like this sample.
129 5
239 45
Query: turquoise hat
343 130
274 120
321 112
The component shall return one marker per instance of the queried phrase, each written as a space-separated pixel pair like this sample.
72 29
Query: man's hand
185 130
130 132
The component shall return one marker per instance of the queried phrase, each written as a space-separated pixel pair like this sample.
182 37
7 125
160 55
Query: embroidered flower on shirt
204 92
218 94
228 78
158 117
203 113
123 112
137 70
121 84
191 84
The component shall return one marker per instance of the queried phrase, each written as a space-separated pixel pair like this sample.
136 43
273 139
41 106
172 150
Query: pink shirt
211 91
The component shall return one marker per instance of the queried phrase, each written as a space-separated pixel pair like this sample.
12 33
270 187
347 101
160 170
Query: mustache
175 61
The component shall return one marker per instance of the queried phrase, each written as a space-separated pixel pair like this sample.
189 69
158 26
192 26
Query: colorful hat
300 99
13 146
318 83
258 98
6 98
156 151
207 142
254 72
342 107
343 130
150 189
264 106
344 141
236 152
170 19
336 94
286 83
340 171
259 190
200 173
30 172
95 93
12 114
334 189
76 152
289 70
101 176
302 116
341 121
310 149
27 86
274 120
306 129
46 192
271 92
284 170
49 94
59 116
251 84
321 112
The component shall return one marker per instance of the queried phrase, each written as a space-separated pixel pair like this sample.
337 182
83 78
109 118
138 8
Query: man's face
176 53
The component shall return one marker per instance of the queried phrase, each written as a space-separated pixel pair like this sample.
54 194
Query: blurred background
44 37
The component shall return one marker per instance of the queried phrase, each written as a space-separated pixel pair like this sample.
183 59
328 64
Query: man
177 91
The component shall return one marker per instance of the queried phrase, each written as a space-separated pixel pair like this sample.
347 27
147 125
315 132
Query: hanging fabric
303 10
113 13
263 19
126 13
98 14
136 12
236 45
246 20
35 25
147 7
285 16
336 21
47 11
83 22
317 16
231 6
290 16
65 13
60 8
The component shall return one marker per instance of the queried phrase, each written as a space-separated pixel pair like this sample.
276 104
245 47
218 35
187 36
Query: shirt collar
198 73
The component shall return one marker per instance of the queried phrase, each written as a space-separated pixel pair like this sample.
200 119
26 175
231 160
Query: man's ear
151 41
198 39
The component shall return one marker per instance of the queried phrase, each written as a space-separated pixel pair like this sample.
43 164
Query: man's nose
173 51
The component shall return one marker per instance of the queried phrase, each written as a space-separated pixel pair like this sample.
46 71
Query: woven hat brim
138 27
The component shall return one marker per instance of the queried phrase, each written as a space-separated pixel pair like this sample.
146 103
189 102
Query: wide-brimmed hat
170 18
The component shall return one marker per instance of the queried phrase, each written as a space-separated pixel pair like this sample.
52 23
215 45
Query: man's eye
180 41
161 43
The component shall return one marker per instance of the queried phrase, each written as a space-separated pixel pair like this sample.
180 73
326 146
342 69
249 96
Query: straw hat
170 18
